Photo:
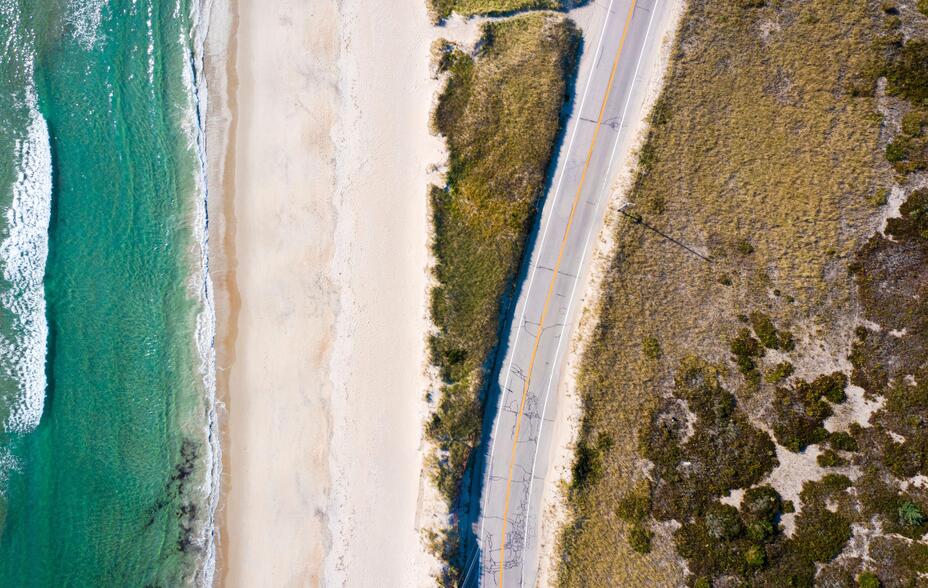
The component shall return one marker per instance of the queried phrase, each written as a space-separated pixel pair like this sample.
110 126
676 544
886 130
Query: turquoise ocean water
106 461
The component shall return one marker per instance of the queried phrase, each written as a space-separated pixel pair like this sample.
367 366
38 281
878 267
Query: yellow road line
557 266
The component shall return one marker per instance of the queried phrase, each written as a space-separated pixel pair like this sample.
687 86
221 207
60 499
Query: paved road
621 42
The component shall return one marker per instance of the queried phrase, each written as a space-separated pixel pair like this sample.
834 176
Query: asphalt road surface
621 42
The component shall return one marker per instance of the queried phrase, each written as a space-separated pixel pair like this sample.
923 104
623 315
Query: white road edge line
573 290
544 235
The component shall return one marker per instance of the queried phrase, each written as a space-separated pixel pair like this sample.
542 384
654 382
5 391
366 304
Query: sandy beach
319 151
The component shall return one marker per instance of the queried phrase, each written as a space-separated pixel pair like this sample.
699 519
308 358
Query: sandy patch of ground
318 150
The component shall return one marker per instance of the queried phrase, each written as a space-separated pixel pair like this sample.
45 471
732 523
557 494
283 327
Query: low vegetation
442 9
784 132
500 114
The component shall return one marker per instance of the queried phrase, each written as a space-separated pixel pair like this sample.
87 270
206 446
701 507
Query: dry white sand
383 153
319 148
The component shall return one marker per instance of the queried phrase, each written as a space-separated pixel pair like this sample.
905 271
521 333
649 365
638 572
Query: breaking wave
84 17
23 254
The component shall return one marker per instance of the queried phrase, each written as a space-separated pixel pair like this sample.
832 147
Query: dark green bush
588 465
755 556
908 73
761 503
910 514
817 492
829 459
706 555
725 451
868 580
820 534
780 372
761 531
651 348
765 331
842 441
830 386
723 521
639 538
634 507
744 347
798 424
800 410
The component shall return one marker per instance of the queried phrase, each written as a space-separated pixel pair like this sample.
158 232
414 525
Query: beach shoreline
222 83
318 254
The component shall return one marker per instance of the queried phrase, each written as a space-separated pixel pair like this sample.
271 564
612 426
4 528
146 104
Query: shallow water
104 459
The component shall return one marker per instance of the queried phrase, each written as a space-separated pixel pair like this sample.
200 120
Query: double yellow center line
550 295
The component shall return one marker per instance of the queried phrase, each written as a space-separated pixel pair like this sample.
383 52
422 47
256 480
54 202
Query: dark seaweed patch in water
176 491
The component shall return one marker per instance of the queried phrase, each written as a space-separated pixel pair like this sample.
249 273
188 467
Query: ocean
108 459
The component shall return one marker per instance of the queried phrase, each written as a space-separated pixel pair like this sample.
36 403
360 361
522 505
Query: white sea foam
84 17
151 49
195 81
8 463
23 254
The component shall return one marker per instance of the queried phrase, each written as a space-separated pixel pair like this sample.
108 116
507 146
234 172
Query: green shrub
896 152
787 343
651 348
761 531
706 555
913 122
820 534
799 416
588 463
755 556
725 451
910 514
879 197
923 7
907 75
830 386
634 507
745 348
723 521
639 538
868 580
842 441
780 372
761 503
829 459
765 331
816 492
744 247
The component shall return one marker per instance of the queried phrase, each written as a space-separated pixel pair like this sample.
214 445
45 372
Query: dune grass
500 114
766 154
442 9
